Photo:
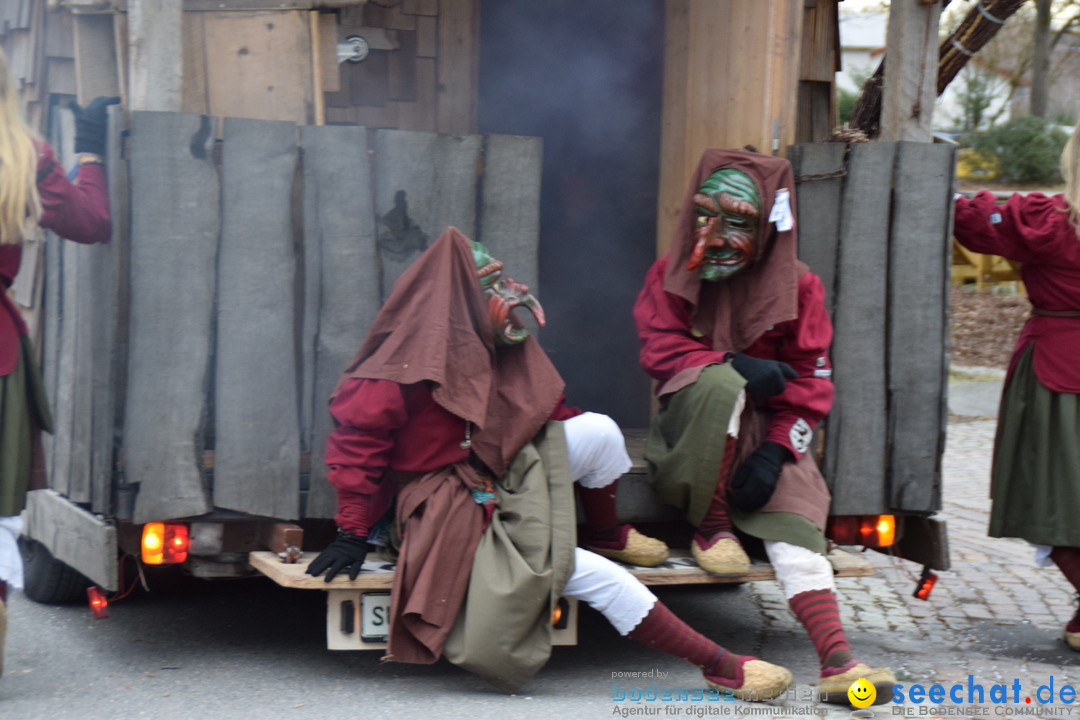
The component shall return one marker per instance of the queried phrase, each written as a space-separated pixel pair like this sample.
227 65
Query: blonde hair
1070 170
20 206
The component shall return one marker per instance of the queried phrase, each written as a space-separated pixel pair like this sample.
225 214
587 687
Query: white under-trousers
597 454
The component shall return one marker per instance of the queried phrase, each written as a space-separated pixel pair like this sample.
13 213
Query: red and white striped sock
819 613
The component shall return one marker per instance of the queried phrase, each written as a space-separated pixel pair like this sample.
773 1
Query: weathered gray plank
110 322
257 422
438 174
510 204
341 277
856 438
49 339
818 206
174 235
919 257
73 536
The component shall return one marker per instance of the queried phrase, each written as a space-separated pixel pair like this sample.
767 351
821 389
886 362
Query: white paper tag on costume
995 218
800 436
781 211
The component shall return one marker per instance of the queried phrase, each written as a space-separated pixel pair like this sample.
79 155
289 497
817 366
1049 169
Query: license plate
374 616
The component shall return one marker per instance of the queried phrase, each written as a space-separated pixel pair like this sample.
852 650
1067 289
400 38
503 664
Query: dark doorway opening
586 76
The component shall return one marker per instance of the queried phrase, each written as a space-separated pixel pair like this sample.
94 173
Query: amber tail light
165 543
876 531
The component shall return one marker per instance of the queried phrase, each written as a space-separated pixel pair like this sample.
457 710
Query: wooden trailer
276 164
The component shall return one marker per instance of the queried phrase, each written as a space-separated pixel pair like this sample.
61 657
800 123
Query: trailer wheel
47 579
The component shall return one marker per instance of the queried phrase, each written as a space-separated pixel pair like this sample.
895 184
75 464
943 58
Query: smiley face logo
862 693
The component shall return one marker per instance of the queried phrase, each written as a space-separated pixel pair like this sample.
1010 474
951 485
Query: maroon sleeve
367 413
804 346
78 210
1023 229
563 411
668 345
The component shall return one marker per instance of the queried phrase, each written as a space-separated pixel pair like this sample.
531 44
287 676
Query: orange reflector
556 615
926 584
99 604
165 543
876 531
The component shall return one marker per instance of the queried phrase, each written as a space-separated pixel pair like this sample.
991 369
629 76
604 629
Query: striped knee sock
716 518
663 630
819 613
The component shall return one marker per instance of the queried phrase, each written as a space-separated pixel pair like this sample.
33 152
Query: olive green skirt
1035 482
23 413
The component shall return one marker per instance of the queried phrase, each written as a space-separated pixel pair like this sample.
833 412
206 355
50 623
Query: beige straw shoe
725 557
761 681
638 549
834 689
1072 639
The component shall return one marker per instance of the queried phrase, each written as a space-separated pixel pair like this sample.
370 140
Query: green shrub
1028 150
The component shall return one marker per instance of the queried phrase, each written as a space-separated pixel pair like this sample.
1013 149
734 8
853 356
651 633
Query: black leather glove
90 123
755 480
347 552
764 378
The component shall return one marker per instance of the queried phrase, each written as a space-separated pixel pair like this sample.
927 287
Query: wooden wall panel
438 174
174 235
459 37
857 434
510 204
259 65
257 422
818 205
739 56
341 281
919 257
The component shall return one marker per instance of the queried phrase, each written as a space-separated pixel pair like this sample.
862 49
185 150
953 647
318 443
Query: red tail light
165 543
926 584
99 604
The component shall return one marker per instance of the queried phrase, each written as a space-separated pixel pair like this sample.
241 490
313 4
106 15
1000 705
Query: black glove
764 378
755 480
90 123
347 552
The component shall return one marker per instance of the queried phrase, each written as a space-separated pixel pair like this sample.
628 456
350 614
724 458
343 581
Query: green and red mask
504 296
727 208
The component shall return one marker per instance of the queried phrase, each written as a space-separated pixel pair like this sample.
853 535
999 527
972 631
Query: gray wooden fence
190 360
875 223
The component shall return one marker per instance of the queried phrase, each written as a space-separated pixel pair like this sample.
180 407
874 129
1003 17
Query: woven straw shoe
637 549
834 689
725 557
761 681
1073 640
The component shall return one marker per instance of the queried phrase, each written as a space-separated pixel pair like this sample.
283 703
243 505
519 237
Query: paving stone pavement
993 618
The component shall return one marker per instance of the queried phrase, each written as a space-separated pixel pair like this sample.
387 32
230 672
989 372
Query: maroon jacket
77 211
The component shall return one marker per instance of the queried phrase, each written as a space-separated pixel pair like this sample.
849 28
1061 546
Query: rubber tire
46 579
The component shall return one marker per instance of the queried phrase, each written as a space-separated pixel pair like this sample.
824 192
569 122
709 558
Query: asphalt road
199 650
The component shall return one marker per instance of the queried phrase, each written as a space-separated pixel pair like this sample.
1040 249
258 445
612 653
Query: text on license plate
374 616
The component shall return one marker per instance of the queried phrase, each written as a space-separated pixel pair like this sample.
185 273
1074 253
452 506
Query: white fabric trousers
597 454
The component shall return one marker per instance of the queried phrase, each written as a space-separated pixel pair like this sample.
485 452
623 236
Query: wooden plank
328 63
427 37
420 7
459 35
420 115
256 418
73 536
110 322
817 203
910 84
318 92
49 341
154 44
60 77
402 78
919 255
680 569
258 65
95 58
341 282
195 94
510 204
175 218
63 401
856 439
438 175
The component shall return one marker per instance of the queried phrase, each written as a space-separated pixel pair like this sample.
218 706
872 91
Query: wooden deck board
680 569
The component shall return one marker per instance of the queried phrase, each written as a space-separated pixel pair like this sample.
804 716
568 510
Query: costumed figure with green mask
735 332
453 413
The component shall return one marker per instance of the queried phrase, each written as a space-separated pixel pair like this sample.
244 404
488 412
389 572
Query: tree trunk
1040 70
